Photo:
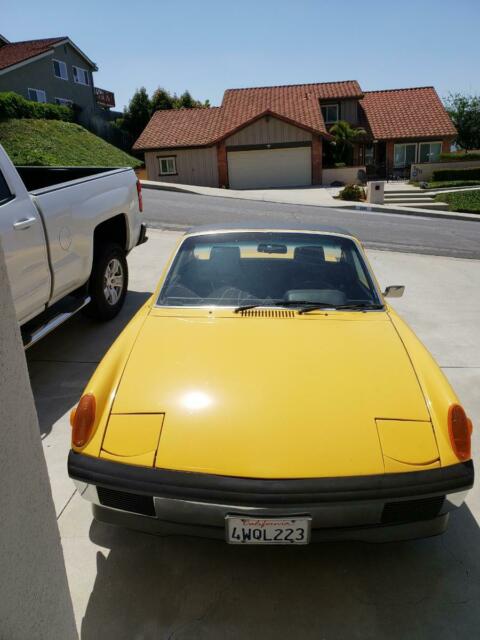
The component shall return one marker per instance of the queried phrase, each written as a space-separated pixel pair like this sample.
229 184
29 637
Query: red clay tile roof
298 104
406 113
398 113
16 52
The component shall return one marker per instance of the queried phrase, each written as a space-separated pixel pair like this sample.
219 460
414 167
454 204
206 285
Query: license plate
267 530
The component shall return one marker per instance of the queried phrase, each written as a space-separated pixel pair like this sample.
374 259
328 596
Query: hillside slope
57 143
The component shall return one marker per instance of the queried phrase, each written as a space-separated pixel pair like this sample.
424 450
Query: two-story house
52 70
279 136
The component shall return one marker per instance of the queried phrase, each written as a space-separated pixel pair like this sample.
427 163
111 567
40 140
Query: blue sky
207 46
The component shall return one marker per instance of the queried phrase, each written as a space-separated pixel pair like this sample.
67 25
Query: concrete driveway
129 585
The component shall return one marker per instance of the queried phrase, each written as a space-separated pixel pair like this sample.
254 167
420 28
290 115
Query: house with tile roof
52 70
280 136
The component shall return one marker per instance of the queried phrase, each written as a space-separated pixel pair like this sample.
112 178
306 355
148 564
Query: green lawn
57 143
463 201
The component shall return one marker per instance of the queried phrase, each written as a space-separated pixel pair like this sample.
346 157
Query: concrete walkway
128 585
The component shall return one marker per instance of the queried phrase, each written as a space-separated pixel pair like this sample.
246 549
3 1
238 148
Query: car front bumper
374 508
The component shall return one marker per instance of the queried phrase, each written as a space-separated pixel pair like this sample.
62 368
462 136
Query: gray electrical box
376 191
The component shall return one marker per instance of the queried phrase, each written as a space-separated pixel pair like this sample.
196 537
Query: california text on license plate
268 530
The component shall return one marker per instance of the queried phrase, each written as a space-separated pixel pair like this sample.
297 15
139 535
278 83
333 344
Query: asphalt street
455 238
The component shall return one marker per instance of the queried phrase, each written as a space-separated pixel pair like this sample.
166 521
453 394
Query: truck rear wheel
108 282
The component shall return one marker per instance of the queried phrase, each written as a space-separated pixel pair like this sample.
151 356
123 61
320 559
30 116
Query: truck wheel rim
113 281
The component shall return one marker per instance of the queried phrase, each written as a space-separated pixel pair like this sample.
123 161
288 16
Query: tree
186 101
161 99
345 136
465 114
137 114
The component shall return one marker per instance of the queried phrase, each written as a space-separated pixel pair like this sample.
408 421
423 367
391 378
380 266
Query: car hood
271 398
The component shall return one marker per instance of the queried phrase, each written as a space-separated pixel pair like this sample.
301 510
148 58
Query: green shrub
461 201
339 165
352 192
461 156
456 174
14 106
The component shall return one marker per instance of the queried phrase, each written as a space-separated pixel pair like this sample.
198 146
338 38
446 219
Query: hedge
461 156
15 106
456 174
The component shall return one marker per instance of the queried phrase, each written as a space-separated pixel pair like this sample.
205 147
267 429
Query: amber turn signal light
82 420
460 431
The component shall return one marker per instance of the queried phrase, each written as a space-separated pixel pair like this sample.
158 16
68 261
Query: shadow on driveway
178 587
61 364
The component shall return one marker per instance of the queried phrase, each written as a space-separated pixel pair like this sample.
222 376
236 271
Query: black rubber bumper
262 492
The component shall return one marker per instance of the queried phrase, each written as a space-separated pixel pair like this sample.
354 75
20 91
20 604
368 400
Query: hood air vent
267 313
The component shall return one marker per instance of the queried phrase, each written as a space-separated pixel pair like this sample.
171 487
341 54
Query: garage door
287 167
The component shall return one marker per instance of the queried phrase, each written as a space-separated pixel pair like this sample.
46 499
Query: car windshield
242 269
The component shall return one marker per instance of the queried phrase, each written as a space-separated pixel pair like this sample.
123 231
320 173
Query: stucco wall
424 170
39 75
268 130
34 597
347 175
194 166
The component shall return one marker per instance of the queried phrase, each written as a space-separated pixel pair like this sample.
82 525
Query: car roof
261 226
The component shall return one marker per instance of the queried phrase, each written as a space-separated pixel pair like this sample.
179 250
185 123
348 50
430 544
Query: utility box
376 191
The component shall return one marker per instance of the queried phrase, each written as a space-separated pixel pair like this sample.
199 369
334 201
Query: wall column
316 160
222 165
34 597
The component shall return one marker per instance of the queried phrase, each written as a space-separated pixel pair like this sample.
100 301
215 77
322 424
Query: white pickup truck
66 233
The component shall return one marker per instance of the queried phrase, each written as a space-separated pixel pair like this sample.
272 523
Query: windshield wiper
352 306
285 303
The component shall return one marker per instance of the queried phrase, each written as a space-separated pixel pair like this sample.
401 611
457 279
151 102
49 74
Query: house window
430 151
404 154
60 70
330 113
37 95
80 76
64 102
168 166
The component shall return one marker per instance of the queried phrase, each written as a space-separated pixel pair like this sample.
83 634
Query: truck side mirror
394 291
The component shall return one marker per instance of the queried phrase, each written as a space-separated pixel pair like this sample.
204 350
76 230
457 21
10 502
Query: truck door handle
24 223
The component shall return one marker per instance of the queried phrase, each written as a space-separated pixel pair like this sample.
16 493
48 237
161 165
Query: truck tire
108 282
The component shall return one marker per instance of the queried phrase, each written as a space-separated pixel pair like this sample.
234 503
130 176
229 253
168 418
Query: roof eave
44 54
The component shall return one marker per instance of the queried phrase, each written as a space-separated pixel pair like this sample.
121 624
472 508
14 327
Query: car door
24 245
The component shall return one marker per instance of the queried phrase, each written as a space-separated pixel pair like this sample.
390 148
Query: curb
419 213
163 187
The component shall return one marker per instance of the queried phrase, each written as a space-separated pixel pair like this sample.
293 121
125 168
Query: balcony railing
104 98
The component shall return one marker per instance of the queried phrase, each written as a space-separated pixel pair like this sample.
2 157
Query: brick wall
316 160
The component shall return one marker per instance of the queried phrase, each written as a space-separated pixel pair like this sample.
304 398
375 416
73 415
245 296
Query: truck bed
36 178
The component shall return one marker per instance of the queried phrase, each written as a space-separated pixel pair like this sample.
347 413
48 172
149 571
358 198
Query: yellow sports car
267 394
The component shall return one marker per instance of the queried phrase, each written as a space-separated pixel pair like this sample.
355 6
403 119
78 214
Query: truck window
5 193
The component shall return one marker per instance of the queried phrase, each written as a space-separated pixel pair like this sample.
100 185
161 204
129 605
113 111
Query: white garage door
288 167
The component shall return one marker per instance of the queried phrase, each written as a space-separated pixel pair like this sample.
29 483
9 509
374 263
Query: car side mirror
394 291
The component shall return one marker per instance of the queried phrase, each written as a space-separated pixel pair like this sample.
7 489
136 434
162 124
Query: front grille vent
125 501
267 313
412 510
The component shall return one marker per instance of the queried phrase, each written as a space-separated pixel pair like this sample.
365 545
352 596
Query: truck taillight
139 194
